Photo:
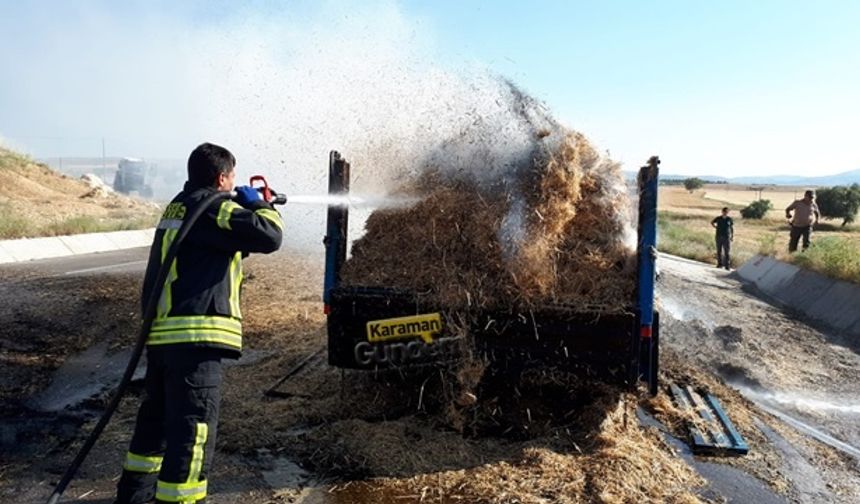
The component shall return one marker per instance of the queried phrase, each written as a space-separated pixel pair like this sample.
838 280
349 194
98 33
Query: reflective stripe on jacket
199 301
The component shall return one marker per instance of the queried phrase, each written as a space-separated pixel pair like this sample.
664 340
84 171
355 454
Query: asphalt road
119 261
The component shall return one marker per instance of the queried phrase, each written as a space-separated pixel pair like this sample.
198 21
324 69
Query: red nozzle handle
267 193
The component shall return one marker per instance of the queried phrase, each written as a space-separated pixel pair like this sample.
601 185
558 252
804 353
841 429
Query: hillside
37 201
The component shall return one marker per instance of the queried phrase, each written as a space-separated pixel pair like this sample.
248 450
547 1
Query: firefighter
197 324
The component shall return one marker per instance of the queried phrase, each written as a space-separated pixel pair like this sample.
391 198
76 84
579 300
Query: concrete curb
833 302
29 249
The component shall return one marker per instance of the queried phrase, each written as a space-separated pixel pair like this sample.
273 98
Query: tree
840 202
757 209
691 184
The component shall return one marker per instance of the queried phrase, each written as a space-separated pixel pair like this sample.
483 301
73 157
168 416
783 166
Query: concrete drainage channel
825 300
833 302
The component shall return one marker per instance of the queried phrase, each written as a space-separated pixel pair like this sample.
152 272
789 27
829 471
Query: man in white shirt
805 216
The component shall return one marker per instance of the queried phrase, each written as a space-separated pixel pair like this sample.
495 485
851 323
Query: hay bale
549 231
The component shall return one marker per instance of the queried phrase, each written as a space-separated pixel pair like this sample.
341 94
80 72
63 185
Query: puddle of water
24 436
93 371
286 477
813 432
724 481
803 475
83 376
286 474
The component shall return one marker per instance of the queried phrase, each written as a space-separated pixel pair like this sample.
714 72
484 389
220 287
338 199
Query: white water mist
354 201
804 401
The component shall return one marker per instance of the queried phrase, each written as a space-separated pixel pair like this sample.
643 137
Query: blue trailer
378 327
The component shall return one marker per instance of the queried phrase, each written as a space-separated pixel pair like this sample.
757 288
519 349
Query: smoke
684 311
368 86
280 87
5 143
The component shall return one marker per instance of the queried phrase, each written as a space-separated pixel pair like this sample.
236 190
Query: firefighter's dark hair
206 162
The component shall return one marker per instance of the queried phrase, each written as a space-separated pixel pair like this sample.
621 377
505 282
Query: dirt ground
343 437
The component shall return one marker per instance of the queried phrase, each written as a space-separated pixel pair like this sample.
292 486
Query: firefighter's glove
246 195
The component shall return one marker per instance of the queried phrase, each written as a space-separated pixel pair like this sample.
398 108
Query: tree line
839 202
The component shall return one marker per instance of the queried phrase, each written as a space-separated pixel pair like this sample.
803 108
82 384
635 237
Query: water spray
353 201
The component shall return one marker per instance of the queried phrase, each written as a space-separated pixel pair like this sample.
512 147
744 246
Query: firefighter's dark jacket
199 302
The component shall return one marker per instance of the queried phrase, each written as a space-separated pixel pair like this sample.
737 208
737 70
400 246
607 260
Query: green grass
685 231
692 236
767 244
677 239
11 225
832 256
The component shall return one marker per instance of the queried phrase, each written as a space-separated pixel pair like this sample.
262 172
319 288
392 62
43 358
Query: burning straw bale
549 231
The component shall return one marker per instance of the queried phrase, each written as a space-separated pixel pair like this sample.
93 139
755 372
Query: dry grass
37 201
618 462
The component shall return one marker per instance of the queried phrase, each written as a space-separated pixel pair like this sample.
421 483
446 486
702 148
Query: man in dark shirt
725 233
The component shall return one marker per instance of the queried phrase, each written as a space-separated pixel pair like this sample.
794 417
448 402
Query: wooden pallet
719 435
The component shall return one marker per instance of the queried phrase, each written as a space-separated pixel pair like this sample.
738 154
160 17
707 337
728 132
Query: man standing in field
725 234
806 215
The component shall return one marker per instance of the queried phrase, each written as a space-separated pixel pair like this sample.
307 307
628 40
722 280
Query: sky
727 88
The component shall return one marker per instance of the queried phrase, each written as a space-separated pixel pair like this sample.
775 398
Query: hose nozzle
269 195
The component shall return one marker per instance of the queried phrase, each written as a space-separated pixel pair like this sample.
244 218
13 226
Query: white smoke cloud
278 88
368 86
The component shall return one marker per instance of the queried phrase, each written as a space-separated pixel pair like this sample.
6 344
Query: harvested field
780 196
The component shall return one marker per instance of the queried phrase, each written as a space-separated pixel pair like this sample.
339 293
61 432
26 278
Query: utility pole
104 164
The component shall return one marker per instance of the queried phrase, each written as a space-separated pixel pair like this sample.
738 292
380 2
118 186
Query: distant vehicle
133 177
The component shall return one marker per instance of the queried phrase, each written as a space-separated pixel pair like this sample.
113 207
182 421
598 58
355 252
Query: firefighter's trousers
174 439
